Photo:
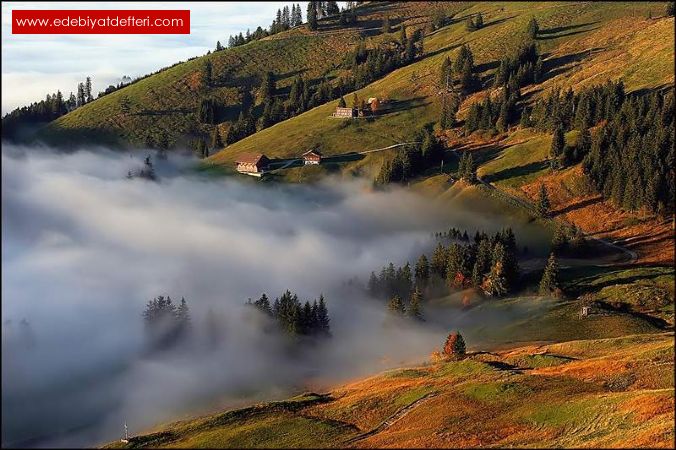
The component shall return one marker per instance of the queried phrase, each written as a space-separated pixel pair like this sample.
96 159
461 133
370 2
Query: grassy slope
166 102
574 26
598 393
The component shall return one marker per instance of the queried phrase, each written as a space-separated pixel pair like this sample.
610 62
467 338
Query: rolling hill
616 392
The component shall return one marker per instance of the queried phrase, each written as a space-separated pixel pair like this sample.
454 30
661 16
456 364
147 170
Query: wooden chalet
252 163
346 113
312 157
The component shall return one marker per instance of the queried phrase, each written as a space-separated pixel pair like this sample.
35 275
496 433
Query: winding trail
392 419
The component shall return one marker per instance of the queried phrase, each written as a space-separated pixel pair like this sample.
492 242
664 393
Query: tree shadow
578 205
394 106
518 171
565 28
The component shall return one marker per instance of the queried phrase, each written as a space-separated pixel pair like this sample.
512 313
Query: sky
35 65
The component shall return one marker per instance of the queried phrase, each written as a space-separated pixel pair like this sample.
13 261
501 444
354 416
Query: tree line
296 318
628 159
51 108
166 324
411 160
365 65
488 263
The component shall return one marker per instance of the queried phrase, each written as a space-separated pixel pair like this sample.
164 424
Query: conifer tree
454 345
542 205
422 272
533 28
550 277
415 305
323 326
558 143
446 73
438 263
396 305
479 21
341 102
312 16
216 141
207 73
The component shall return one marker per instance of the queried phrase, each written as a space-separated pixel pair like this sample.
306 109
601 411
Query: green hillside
166 102
643 58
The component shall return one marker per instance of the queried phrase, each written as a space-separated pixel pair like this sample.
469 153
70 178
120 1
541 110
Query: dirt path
392 419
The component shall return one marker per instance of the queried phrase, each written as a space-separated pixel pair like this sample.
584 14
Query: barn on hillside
252 163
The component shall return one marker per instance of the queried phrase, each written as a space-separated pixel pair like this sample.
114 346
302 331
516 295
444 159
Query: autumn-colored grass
593 393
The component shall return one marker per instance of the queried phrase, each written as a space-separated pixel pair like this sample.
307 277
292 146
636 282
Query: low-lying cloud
83 250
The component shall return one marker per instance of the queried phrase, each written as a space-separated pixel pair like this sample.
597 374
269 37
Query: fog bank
84 249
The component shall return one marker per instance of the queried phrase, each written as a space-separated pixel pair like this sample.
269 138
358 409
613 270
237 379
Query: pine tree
207 73
479 21
550 277
542 205
341 102
323 318
558 143
396 305
446 73
438 263
415 305
268 87
183 316
263 305
88 90
312 16
332 8
533 28
454 345
422 272
216 141
219 47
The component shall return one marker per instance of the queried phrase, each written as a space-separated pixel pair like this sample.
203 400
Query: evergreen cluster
486 262
489 263
496 114
368 64
466 169
629 158
294 317
402 287
147 171
285 19
549 284
51 108
520 69
474 23
166 323
412 160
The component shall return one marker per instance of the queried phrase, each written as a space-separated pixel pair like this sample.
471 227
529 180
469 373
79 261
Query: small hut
312 157
252 163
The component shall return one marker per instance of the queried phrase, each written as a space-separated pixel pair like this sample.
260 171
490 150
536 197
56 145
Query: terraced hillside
592 393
